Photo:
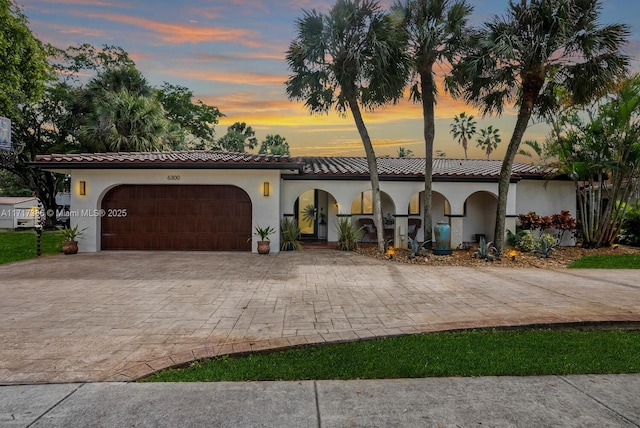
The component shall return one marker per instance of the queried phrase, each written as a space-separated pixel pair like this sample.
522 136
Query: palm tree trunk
373 170
526 109
428 113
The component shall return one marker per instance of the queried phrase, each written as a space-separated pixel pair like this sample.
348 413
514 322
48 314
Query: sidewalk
566 401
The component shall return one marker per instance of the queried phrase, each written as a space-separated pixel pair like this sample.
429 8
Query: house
18 212
205 200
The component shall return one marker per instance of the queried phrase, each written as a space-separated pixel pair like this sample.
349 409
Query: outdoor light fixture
265 188
82 187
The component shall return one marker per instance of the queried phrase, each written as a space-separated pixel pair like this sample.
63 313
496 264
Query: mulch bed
559 259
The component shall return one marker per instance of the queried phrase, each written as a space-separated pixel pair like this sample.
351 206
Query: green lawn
470 353
16 246
606 261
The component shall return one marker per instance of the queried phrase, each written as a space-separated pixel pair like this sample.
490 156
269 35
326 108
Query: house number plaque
173 177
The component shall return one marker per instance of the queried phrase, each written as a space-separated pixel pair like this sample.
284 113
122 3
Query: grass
15 246
607 261
469 353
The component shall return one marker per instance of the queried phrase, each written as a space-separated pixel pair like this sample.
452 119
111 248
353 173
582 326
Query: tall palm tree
524 55
435 32
488 140
348 58
463 128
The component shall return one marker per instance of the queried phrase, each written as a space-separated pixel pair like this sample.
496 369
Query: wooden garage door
165 217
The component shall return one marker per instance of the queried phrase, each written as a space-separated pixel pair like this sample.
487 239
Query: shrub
527 241
630 231
348 234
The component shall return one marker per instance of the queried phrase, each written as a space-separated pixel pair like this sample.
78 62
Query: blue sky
231 54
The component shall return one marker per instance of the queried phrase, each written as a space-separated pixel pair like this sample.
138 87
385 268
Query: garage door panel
164 217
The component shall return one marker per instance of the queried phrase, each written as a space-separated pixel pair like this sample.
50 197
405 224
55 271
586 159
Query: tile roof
414 167
12 200
185 159
307 167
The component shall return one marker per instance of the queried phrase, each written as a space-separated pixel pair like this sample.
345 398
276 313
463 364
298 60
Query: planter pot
443 239
70 247
264 247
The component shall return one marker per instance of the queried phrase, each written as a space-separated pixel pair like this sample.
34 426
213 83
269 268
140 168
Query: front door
307 214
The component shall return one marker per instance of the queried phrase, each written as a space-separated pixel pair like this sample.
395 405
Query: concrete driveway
115 316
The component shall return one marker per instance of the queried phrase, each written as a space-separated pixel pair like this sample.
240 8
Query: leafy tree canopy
274 145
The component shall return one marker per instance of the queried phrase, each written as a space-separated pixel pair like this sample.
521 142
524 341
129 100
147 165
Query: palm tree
488 140
125 122
403 152
463 128
435 31
348 58
523 56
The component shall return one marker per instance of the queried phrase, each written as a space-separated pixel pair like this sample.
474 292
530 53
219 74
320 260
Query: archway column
456 222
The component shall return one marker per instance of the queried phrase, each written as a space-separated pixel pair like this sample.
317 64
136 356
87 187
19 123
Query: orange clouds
180 33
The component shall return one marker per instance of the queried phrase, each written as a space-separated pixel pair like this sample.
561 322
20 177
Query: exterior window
414 205
447 207
363 203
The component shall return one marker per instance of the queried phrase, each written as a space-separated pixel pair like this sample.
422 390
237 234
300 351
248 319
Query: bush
528 242
630 232
348 234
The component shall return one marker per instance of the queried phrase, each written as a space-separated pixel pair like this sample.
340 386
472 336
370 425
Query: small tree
463 128
274 145
488 140
239 138
602 157
404 152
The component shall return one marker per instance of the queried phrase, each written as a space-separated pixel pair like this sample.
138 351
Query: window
363 203
414 204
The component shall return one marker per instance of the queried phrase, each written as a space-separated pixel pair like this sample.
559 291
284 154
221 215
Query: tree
274 145
349 58
435 30
524 55
24 69
239 138
488 140
195 121
602 157
125 122
404 153
463 128
24 74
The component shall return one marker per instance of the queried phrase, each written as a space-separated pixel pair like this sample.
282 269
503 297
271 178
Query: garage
176 217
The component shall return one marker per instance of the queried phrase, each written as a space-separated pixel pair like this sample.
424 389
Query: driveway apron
116 316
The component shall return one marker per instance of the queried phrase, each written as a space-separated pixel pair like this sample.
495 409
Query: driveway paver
116 316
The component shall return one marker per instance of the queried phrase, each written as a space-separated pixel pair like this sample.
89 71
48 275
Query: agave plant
418 249
486 251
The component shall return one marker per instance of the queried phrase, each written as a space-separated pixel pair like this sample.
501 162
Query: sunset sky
231 54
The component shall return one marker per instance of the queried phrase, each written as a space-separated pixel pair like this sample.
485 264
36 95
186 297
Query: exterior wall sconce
82 187
266 191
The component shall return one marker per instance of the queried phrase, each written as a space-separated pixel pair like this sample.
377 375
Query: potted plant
264 245
69 238
289 234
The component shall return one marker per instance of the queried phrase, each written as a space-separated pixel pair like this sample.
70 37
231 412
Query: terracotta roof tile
414 167
307 166
183 159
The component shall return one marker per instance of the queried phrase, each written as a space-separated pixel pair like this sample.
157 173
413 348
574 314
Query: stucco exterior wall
85 209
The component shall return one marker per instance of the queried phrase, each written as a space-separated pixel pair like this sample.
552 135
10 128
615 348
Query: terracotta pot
264 247
70 247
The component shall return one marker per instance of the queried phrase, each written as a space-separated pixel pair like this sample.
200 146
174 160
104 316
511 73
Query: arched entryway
479 216
362 213
314 210
176 217
440 211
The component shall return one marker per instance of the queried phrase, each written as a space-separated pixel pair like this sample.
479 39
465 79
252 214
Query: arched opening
176 217
440 211
479 216
362 213
313 211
